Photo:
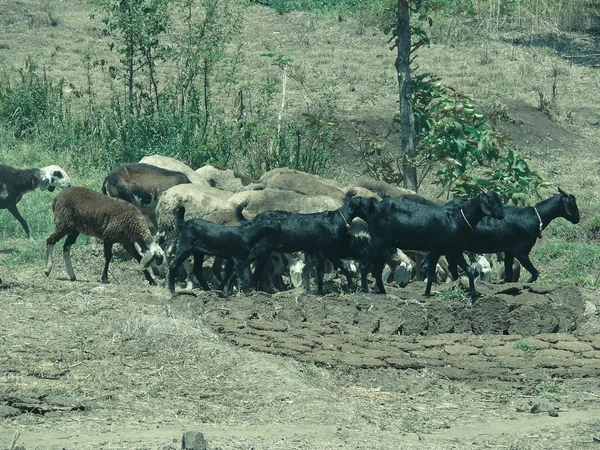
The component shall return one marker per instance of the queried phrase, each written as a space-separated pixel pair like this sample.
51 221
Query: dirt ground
125 366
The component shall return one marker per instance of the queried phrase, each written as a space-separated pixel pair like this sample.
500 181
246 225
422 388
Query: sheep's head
154 254
53 177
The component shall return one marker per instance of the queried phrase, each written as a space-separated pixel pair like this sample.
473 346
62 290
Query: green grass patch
566 262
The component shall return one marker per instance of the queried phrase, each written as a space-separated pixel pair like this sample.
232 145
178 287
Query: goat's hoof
47 273
75 279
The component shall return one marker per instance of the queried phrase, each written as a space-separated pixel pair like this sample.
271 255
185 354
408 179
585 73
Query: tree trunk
407 120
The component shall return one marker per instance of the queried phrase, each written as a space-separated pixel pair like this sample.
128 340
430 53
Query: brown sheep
80 210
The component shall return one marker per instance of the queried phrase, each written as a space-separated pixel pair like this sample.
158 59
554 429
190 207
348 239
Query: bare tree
407 120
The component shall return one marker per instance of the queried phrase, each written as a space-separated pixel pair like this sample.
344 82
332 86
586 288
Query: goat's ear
484 201
560 191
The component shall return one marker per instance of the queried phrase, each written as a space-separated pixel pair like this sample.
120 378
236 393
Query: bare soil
125 366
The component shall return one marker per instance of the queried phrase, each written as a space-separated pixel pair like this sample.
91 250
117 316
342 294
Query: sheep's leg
107 259
198 261
343 266
50 243
17 215
136 255
180 257
526 262
71 238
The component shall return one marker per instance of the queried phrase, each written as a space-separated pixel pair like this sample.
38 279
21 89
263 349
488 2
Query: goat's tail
238 211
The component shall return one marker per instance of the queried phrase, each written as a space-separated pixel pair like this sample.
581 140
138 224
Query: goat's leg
17 215
377 265
320 268
136 255
508 267
50 243
198 262
180 257
229 277
453 262
239 270
216 268
365 265
467 268
71 238
433 259
526 262
261 262
107 259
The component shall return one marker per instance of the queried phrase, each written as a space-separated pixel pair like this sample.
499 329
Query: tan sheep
166 162
226 179
283 200
302 183
382 187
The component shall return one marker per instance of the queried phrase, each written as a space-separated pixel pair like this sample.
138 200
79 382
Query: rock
194 441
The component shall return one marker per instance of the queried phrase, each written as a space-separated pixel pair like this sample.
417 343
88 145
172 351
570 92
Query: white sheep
80 210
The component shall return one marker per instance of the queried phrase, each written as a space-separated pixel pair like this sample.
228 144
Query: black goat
14 183
409 225
322 235
239 245
517 233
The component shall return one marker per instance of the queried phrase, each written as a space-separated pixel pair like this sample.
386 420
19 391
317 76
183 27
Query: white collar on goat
464 217
540 219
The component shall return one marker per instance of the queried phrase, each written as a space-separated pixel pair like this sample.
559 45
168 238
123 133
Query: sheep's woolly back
197 200
302 183
382 187
93 214
283 200
225 179
168 163
287 171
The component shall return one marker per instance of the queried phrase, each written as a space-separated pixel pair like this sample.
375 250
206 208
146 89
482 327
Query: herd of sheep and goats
288 224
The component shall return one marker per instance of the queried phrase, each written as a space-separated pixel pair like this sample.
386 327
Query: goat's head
570 211
53 177
491 204
361 207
